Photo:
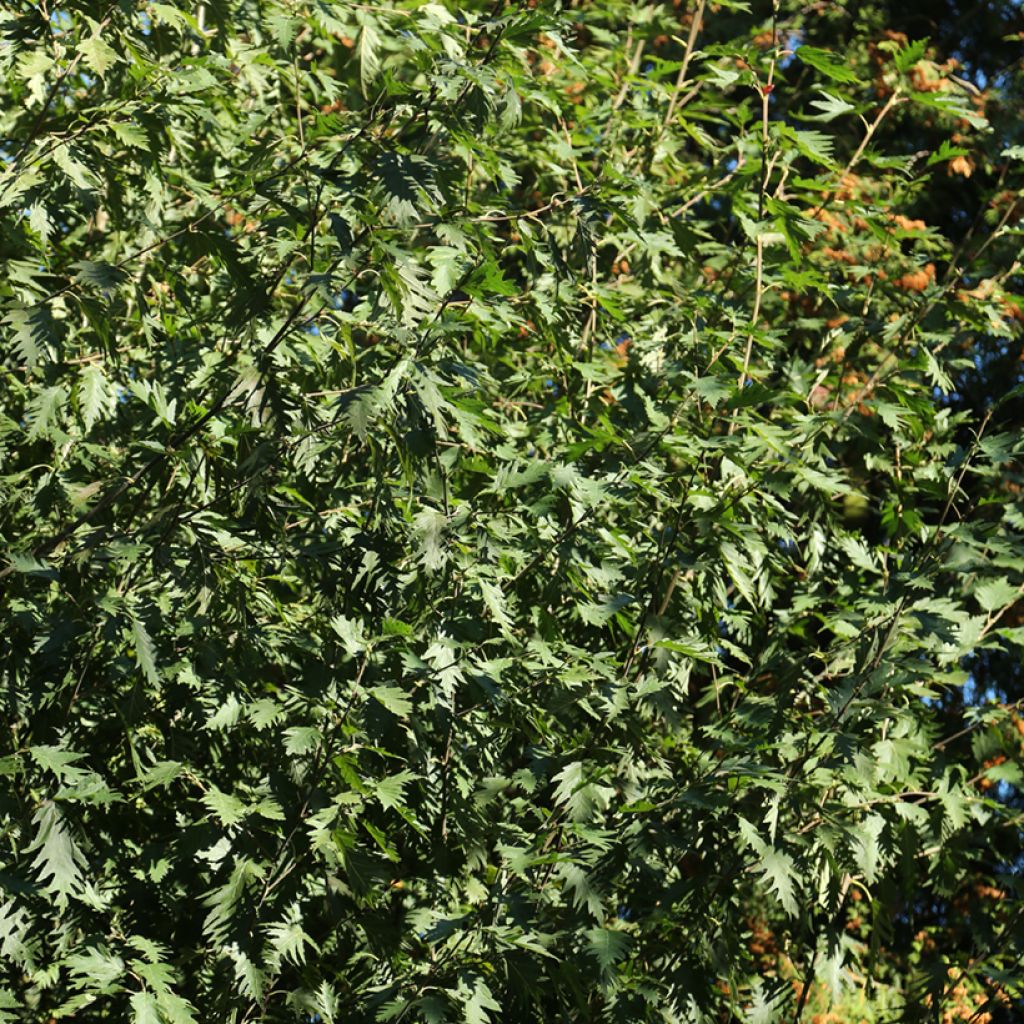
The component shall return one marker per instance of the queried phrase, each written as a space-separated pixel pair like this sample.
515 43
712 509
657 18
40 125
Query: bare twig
762 193
695 27
631 70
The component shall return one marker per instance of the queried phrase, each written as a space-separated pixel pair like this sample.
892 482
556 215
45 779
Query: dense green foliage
510 512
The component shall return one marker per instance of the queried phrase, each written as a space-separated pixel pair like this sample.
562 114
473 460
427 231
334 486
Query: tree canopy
511 511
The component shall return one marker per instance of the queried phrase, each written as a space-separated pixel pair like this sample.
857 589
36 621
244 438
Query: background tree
511 512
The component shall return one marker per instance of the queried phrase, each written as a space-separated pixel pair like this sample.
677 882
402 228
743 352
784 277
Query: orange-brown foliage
917 280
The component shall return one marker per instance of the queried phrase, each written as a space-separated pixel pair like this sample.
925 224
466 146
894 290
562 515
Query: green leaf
479 1002
869 856
174 1009
130 134
995 594
830 107
59 861
228 809
288 939
776 865
827 63
35 332
695 648
390 791
145 655
56 760
817 146
947 151
598 614
39 221
168 14
104 277
81 176
351 633
161 774
368 49
30 565
98 54
394 698
765 1005
45 412
11 1010
97 967
93 394
607 946
145 1008
907 56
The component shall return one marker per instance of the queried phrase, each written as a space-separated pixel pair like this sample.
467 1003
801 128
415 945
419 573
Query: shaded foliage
511 512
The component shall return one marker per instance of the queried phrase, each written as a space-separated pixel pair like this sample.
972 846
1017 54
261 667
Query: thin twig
695 27
631 70
893 100
762 192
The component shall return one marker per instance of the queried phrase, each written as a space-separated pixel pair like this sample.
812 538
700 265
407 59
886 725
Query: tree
511 512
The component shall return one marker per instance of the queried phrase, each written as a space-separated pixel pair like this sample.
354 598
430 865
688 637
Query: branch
695 27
